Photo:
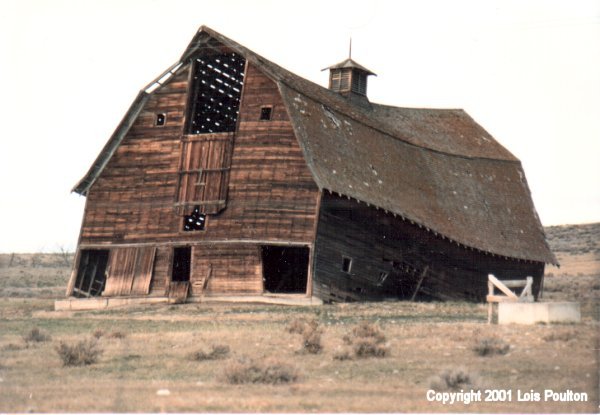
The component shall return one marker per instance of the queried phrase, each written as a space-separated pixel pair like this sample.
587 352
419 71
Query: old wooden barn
231 177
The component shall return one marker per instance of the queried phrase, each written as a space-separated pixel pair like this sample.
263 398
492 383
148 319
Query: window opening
216 92
346 264
285 269
181 264
161 119
195 221
265 113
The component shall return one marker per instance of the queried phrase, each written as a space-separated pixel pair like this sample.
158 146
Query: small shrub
301 325
311 334
454 380
249 371
13 347
98 333
367 340
491 346
311 341
35 335
85 352
117 335
347 339
369 330
563 336
342 355
216 352
297 326
369 347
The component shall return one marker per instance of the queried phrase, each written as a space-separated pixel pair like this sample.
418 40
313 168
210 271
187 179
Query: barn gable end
270 197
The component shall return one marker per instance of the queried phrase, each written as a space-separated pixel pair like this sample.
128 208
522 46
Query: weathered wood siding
231 269
271 194
378 242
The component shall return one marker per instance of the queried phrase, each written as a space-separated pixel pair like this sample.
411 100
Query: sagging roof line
421 226
122 129
382 131
163 78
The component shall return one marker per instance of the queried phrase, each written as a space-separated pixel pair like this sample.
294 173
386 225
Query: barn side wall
390 256
272 197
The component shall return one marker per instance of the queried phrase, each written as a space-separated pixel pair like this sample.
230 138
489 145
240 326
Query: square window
160 120
346 264
265 113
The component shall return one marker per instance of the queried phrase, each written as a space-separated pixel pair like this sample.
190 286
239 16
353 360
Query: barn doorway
285 269
182 258
91 273
181 269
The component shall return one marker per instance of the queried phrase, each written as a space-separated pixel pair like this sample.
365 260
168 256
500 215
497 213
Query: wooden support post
490 305
503 286
421 278
208 275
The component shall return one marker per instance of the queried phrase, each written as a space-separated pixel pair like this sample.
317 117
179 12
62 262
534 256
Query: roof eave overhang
550 260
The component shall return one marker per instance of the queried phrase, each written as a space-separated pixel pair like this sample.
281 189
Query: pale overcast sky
527 71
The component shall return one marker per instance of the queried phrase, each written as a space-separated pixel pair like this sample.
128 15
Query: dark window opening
182 257
215 95
265 113
285 269
194 222
346 264
161 119
91 273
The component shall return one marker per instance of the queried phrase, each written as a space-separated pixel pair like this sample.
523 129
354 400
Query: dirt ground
146 363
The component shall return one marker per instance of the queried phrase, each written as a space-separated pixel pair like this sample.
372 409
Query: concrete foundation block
531 313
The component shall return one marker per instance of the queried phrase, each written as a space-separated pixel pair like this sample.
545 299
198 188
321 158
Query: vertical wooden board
160 274
143 270
178 291
121 270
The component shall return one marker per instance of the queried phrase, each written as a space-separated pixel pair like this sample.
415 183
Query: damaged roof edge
113 142
404 217
134 110
122 129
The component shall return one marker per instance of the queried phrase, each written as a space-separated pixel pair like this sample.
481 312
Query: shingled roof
436 168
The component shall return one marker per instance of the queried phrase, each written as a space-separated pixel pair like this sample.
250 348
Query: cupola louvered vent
348 77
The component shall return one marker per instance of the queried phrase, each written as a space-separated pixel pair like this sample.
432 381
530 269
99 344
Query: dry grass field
192 357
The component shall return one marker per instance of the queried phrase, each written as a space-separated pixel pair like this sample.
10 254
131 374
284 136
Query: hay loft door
285 269
213 106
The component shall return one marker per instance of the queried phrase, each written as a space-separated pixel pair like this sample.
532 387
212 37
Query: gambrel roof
436 168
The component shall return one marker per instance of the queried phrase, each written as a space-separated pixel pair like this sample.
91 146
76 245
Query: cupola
348 77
